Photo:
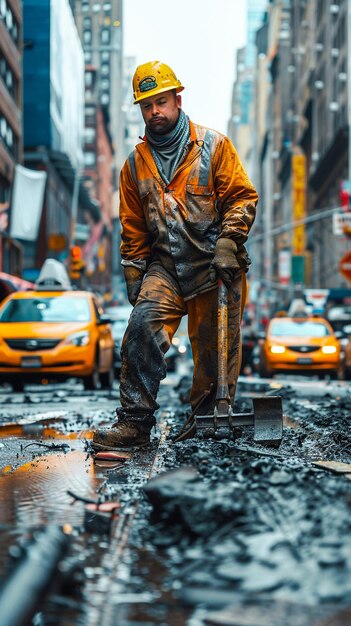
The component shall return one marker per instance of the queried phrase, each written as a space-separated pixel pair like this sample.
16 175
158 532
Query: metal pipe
22 592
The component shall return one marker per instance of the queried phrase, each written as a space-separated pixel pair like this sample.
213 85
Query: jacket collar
145 152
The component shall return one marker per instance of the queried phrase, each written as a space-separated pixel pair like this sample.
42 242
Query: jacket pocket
201 207
150 210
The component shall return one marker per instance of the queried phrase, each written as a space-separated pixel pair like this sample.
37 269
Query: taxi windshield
54 309
290 328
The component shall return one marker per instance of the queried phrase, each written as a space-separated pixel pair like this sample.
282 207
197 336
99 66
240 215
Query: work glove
133 277
228 261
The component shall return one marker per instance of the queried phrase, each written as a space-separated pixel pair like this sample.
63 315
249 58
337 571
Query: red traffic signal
76 252
76 262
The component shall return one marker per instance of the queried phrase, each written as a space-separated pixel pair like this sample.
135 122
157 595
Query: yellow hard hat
152 78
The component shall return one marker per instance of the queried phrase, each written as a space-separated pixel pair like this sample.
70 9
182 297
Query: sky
198 39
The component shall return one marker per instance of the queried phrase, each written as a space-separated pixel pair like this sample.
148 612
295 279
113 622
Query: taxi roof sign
53 277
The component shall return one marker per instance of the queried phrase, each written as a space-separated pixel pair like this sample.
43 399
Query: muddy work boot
128 432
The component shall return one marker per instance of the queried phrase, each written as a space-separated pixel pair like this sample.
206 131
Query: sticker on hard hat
147 83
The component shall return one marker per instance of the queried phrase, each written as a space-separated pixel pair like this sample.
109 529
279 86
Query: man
186 208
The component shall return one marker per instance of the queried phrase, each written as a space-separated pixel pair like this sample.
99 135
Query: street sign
341 223
316 297
284 266
345 265
298 204
298 269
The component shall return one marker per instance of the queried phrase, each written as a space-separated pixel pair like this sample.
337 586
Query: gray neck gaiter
168 150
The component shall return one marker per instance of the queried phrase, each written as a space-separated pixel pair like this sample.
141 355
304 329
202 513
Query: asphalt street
201 532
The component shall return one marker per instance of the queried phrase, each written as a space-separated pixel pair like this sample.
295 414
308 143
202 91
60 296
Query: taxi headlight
277 349
78 339
329 349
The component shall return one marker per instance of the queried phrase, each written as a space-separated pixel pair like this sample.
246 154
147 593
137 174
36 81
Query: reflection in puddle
45 432
36 492
149 598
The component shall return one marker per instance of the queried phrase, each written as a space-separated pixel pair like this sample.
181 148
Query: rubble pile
237 523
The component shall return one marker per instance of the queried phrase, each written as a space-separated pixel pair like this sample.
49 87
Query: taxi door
105 339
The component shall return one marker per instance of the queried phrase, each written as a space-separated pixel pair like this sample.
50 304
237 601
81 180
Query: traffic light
76 263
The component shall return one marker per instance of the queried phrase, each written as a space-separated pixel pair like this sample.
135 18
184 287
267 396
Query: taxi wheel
107 378
92 382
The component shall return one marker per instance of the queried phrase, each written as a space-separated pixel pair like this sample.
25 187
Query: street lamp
74 203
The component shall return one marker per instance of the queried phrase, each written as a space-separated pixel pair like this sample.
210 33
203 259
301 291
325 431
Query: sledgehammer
267 415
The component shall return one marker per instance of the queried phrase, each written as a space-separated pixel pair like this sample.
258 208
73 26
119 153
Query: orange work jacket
177 225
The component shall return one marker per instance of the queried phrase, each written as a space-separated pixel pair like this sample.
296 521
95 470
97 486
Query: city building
239 127
98 170
11 257
133 123
53 112
327 131
100 28
302 166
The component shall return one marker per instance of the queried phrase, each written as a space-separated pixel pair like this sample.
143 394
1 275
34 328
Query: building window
89 135
105 84
105 69
105 99
87 37
8 77
89 158
8 137
87 22
88 79
105 55
85 5
9 20
107 6
88 57
89 116
105 35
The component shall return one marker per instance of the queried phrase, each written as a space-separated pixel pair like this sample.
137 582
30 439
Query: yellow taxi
302 345
55 333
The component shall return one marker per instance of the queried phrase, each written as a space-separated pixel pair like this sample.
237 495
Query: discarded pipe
23 590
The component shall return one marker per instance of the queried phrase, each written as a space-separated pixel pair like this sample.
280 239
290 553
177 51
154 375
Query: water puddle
36 492
31 430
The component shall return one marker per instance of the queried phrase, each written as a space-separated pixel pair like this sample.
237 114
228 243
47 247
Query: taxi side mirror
104 319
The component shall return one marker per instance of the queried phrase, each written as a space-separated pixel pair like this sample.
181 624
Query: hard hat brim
156 92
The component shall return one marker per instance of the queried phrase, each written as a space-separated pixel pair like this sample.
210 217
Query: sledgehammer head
268 419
